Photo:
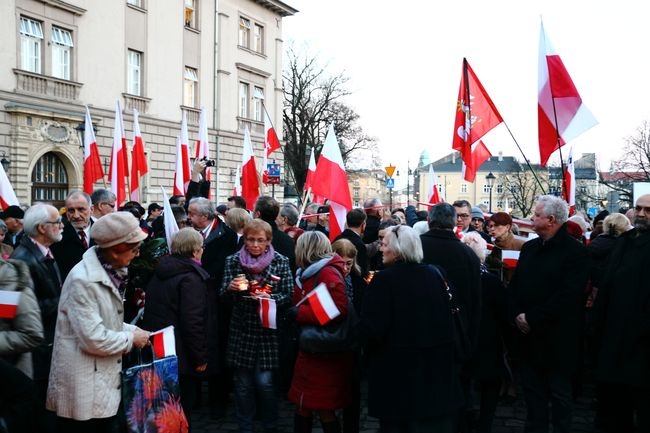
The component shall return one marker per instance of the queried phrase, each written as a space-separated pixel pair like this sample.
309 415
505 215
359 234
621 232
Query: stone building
161 58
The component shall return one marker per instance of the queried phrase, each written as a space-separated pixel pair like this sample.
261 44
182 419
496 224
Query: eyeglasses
111 205
462 215
645 209
57 222
256 240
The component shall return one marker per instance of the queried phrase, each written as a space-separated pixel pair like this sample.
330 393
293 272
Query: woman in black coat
177 295
413 382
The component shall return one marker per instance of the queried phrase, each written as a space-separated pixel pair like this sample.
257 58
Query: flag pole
530 167
304 200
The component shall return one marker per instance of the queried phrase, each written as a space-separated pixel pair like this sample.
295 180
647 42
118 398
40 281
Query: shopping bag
151 396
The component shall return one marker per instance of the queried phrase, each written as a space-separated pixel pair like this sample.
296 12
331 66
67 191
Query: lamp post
490 181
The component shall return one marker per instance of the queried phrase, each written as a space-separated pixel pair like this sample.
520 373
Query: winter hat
477 213
117 228
13 211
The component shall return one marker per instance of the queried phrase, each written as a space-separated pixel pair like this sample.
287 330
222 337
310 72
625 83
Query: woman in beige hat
91 336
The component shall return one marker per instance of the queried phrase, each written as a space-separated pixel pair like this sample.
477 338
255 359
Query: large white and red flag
183 170
250 184
322 304
138 159
171 226
434 195
119 159
9 301
179 188
92 163
202 144
164 342
476 115
267 312
569 184
561 115
331 182
311 171
7 193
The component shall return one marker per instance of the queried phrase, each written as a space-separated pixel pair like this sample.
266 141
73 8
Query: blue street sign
390 183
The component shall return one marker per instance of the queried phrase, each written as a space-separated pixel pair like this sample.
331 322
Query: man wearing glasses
43 227
465 216
104 202
76 232
622 327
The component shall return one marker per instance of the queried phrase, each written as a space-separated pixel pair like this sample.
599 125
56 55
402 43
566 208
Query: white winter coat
89 341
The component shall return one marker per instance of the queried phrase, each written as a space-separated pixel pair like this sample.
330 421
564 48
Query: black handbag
462 343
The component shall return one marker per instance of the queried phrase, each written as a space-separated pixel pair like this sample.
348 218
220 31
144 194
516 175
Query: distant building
365 184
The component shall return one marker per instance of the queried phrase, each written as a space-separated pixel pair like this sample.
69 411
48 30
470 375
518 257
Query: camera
209 162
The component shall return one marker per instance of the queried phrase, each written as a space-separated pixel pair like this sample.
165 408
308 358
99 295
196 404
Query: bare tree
521 189
313 100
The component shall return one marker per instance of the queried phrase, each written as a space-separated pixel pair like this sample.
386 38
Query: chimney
500 156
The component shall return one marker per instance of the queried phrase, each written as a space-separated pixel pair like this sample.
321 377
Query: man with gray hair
547 294
373 209
104 202
76 232
43 226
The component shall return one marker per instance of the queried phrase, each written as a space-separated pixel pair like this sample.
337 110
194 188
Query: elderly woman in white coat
91 336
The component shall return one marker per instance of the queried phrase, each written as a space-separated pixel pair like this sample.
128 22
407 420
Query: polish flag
119 157
9 304
92 163
183 171
179 188
271 140
311 171
267 313
331 181
236 190
202 144
250 184
138 159
169 221
561 115
510 258
7 193
434 195
322 304
569 187
164 342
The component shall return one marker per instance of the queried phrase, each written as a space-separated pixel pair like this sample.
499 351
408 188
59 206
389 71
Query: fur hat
117 228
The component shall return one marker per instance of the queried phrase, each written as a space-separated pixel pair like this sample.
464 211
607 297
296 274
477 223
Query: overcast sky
404 63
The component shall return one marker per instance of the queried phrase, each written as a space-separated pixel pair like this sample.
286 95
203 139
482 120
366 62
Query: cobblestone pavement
509 418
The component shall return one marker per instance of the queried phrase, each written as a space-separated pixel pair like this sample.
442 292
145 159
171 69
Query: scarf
119 276
256 265
311 270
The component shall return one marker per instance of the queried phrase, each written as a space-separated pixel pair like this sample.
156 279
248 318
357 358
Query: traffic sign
390 182
390 170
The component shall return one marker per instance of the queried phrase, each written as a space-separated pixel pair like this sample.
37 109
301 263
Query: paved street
509 418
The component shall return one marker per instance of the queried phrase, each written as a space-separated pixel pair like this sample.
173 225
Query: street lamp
490 181
5 162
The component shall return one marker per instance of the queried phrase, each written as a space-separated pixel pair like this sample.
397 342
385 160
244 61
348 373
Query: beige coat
90 338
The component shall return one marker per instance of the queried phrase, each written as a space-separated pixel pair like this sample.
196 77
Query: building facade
160 58
365 184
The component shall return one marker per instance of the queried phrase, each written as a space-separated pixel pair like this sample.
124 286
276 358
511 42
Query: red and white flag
202 144
569 187
9 304
138 159
171 226
510 258
311 171
561 115
322 304
271 140
480 154
119 159
92 163
267 313
183 170
250 184
331 182
7 193
164 342
434 195
476 115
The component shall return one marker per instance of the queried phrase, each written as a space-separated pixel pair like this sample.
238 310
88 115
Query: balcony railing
139 103
30 82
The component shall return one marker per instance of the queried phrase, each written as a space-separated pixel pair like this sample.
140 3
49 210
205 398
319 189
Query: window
583 189
31 34
244 32
463 187
258 98
258 39
499 204
61 50
486 188
137 3
439 188
49 180
190 14
190 84
134 73
499 189
243 100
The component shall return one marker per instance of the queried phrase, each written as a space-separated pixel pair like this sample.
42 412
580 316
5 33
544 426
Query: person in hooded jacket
177 295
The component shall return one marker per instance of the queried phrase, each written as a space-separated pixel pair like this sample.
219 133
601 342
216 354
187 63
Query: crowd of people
443 315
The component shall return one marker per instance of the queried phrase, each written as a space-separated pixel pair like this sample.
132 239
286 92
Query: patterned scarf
256 265
119 277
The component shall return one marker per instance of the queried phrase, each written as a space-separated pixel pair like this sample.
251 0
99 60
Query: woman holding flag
321 381
257 280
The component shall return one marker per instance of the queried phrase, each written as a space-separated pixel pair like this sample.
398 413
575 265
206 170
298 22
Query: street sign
390 170
272 175
390 182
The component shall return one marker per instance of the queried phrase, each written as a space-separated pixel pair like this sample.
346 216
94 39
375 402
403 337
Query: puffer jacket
18 336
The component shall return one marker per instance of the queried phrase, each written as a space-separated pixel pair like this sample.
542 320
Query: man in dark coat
547 294
267 209
76 232
622 326
13 218
43 226
373 211
356 223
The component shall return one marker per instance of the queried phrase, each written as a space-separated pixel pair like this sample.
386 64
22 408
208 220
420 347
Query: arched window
49 180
